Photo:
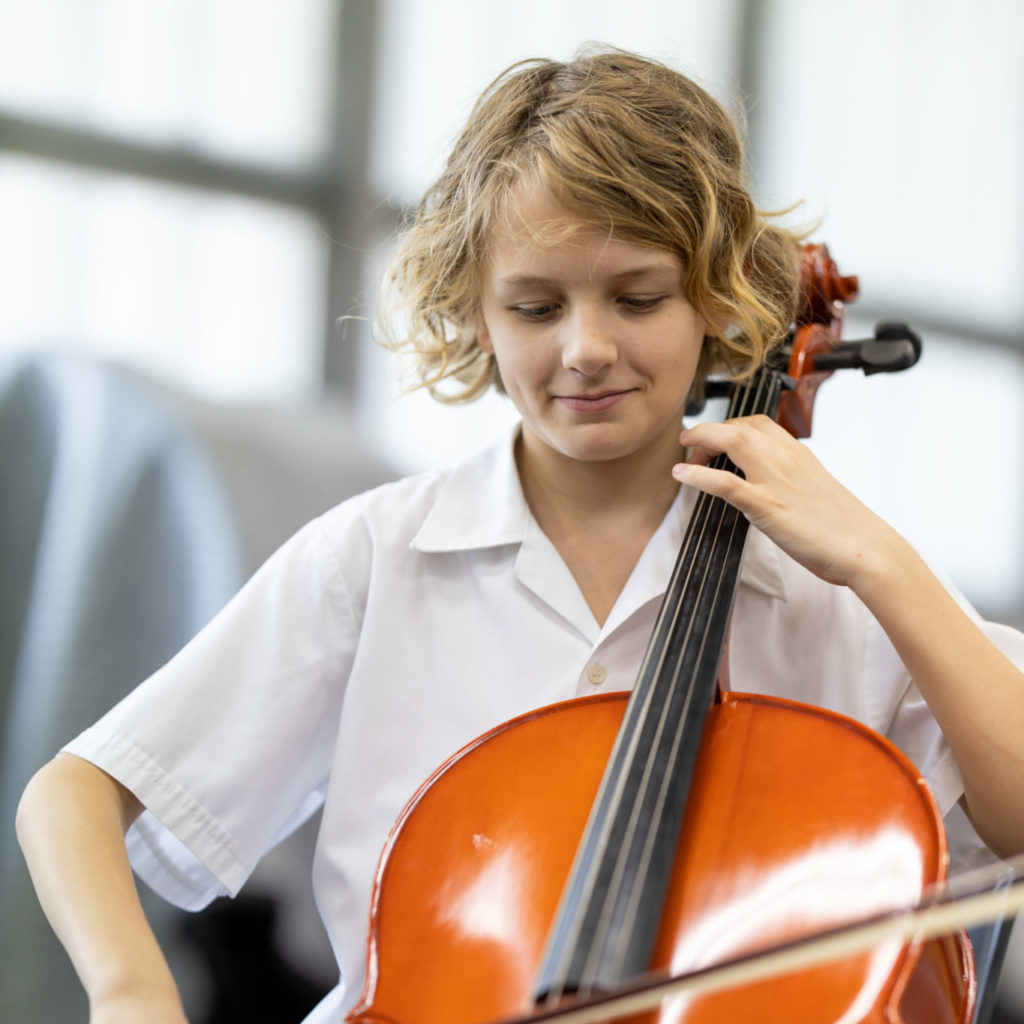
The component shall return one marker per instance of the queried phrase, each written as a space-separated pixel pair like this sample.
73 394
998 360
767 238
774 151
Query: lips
593 403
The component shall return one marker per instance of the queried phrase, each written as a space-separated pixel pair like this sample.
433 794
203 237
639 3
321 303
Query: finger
738 426
695 453
730 437
699 438
760 422
717 482
699 456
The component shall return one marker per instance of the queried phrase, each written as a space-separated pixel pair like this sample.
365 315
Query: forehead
535 231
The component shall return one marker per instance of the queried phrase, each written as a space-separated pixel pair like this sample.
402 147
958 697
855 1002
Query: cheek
522 370
672 355
510 368
514 351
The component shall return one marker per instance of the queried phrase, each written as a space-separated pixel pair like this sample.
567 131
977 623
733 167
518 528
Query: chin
598 449
596 442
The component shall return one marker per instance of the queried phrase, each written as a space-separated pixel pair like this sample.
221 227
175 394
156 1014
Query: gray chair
129 514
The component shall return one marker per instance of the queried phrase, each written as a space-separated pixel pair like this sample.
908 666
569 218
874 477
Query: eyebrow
645 270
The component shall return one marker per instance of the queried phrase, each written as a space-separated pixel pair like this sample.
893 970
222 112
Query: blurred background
194 192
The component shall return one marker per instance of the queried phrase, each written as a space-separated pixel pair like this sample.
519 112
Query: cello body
470 880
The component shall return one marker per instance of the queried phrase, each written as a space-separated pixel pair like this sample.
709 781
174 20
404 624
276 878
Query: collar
481 505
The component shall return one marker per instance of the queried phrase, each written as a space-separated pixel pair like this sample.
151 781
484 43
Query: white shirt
403 624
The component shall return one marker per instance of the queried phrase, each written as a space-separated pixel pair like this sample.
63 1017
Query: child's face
593 335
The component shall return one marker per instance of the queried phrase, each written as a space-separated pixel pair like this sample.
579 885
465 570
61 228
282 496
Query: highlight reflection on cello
591 250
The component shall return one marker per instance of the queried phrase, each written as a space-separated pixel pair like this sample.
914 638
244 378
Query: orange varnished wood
819 327
484 847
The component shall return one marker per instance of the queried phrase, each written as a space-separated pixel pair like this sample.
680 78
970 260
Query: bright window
217 289
247 79
218 294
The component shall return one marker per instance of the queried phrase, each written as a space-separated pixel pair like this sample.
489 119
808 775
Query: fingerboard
608 919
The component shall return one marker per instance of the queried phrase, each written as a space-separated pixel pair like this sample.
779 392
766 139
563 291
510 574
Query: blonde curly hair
623 142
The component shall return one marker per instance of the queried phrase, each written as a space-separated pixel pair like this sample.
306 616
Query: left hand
787 494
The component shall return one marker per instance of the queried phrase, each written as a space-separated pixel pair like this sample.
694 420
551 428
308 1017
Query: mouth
599 401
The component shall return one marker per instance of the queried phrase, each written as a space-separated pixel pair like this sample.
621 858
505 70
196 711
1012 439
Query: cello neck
608 918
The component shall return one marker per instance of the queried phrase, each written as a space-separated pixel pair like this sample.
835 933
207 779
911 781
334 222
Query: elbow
1002 833
1004 848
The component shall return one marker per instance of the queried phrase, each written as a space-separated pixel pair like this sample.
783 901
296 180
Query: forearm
974 691
71 825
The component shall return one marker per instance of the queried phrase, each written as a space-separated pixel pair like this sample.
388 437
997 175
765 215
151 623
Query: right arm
71 824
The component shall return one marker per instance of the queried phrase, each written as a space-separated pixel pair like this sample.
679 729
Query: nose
589 345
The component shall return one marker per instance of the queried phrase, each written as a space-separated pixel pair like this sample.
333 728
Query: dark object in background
250 982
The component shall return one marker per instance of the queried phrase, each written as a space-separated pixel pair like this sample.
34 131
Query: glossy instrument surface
484 847
819 329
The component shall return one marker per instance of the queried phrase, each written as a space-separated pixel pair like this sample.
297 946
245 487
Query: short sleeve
229 745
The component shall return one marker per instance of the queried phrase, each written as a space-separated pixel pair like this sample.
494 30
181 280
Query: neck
558 488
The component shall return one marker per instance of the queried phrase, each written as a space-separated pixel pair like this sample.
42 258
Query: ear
483 335
715 326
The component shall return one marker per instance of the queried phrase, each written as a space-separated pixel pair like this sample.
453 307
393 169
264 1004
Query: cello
694 824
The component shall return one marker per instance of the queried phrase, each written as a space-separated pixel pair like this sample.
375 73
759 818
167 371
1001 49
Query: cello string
632 733
630 738
599 940
637 714
751 400
655 754
757 399
701 514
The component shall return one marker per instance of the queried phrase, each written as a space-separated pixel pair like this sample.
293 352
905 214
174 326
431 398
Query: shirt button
596 673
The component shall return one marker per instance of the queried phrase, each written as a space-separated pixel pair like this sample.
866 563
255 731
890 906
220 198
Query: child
590 250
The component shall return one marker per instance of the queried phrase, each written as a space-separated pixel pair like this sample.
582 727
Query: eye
641 304
541 311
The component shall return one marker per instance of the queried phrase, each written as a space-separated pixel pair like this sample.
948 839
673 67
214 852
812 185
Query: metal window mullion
350 225
98 151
